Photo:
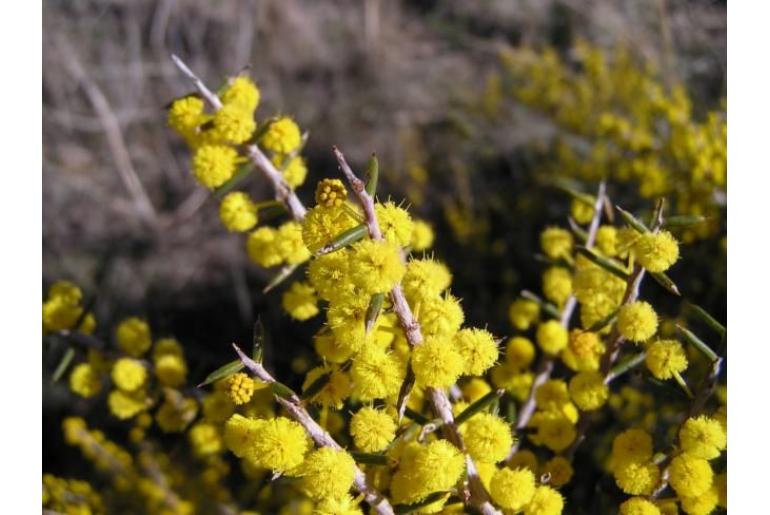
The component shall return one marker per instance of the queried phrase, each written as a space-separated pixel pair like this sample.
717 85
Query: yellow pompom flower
560 471
477 348
557 284
330 193
376 374
233 124
129 374
512 489
436 363
632 445
487 438
242 92
321 225
262 247
519 352
665 358
638 506
240 388
327 274
552 337
176 413
336 389
205 439
702 504
171 370
437 465
552 395
344 505
545 501
278 444
166 346
290 245
588 390
300 301
606 240
637 321
213 165
656 251
375 266
689 475
372 429
125 405
584 351
424 279
217 407
237 212
554 430
440 316
84 380
475 389
422 236
185 114
395 223
133 336
282 136
524 458
293 169
581 211
556 242
703 437
239 433
636 478
523 313
327 473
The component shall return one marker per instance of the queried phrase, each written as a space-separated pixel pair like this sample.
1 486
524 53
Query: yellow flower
126 405
665 358
632 445
171 370
637 321
344 505
519 352
689 475
524 458
545 501
637 478
422 236
240 388
185 114
702 504
242 92
372 430
395 223
134 337
440 316
512 489
424 279
278 444
552 337
205 439
523 313
233 124
321 225
262 248
84 380
557 284
213 165
703 437
638 506
478 350
375 266
327 473
300 301
237 212
581 211
436 363
556 242
293 169
290 245
588 390
336 389
606 240
330 193
656 251
282 136
487 438
560 471
376 374
129 374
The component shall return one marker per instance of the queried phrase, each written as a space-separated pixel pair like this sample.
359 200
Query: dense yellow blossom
523 313
437 363
242 92
395 223
372 430
488 438
638 506
656 251
327 473
477 348
375 266
545 501
588 390
552 337
559 470
556 242
512 489
300 301
240 388
128 374
237 212
637 321
133 336
422 236
84 380
213 165
330 193
665 358
703 437
282 136
689 475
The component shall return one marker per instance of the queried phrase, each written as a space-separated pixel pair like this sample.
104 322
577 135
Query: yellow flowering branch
293 405
283 192
477 494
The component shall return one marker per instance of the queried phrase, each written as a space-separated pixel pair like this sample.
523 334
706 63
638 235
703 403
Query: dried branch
282 190
293 405
477 495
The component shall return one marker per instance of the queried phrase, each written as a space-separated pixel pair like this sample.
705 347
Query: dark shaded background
403 78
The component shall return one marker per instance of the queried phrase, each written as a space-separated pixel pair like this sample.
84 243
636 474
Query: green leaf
698 343
665 281
604 322
233 181
64 364
478 406
626 365
283 391
602 262
708 319
579 232
429 499
372 173
681 382
373 311
370 458
632 220
545 306
344 239
316 386
283 274
223 372
680 221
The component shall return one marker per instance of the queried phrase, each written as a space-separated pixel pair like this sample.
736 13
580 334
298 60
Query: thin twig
320 436
282 190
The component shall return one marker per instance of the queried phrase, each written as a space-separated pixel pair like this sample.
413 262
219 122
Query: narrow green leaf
681 382
283 391
429 499
344 239
372 173
579 232
665 281
373 311
601 261
683 221
229 185
223 372
697 342
370 458
604 322
708 319
417 417
626 365
511 413
632 220
316 386
283 274
545 306
478 406
64 364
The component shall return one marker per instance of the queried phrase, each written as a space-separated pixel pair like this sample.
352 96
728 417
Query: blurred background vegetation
419 82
